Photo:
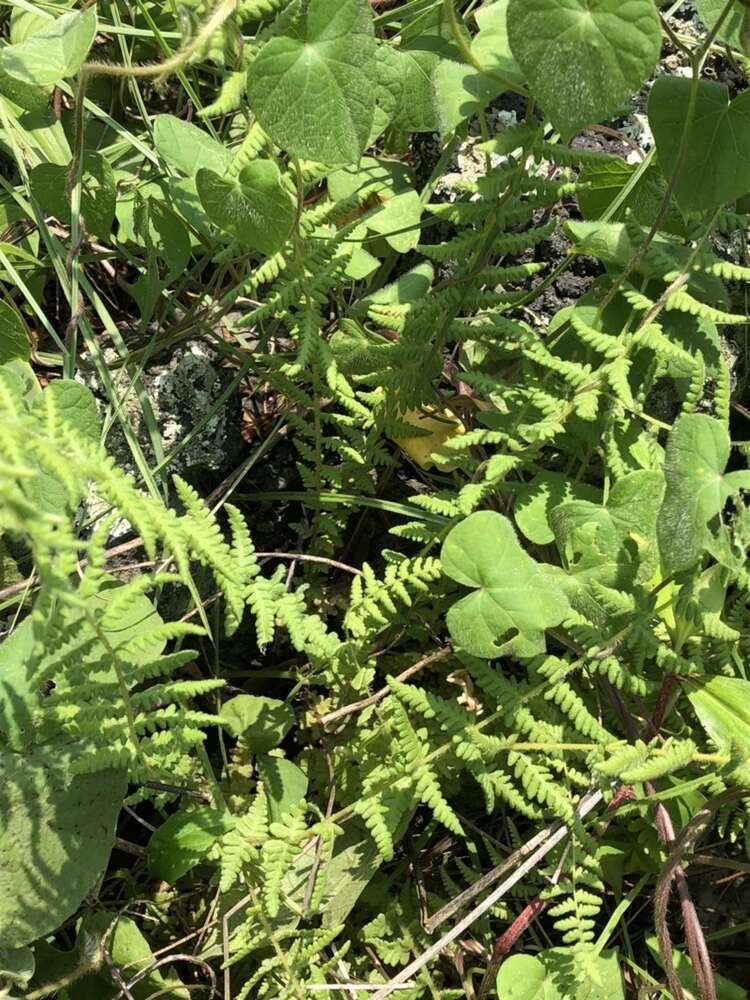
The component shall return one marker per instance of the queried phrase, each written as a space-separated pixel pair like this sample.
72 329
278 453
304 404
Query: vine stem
175 63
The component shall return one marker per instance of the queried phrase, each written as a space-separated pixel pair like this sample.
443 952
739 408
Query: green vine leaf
392 185
697 489
514 600
491 45
313 91
537 498
461 90
713 170
183 840
71 402
129 950
258 723
722 705
615 544
710 11
53 53
14 341
583 58
57 829
548 977
284 783
48 183
389 88
254 207
186 148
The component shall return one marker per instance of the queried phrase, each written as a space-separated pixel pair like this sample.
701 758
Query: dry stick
585 806
116 977
696 942
459 901
373 699
315 559
225 942
310 887
507 940
673 871
163 961
523 921
32 581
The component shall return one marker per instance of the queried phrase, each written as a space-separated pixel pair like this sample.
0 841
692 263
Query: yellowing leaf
440 427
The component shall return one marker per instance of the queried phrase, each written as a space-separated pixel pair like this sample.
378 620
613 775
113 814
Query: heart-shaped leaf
613 544
460 89
697 488
548 976
259 723
253 207
183 840
582 58
56 832
187 148
389 89
710 11
48 183
392 185
535 500
714 168
514 599
312 89
284 783
14 341
69 401
54 52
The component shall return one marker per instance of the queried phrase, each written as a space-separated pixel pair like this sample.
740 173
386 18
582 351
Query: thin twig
310 887
352 987
160 786
585 806
483 883
153 966
373 699
241 904
34 579
672 872
315 559
116 977
508 939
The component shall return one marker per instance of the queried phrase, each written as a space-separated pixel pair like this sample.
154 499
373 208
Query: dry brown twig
589 802
373 699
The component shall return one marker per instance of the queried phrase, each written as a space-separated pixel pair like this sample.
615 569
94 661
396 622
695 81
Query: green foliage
253 207
56 50
524 977
58 828
514 603
492 386
582 58
325 60
718 138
